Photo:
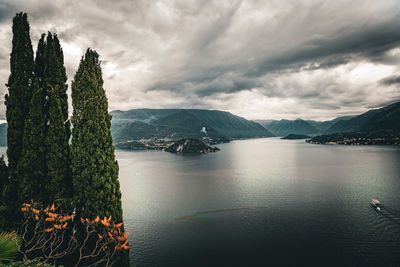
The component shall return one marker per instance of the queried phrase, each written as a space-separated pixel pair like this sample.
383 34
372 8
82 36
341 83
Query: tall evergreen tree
40 60
3 184
31 167
3 175
54 74
17 99
94 168
59 184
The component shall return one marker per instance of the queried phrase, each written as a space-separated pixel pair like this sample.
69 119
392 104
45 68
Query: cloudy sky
257 59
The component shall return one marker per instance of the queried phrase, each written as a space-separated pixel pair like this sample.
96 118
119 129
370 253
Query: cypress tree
31 167
40 60
3 174
59 184
50 70
17 100
3 183
94 168
54 74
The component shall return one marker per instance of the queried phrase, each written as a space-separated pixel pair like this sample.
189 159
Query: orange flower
97 219
126 247
52 214
119 225
105 222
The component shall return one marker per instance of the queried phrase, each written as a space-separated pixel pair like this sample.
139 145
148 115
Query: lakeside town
359 138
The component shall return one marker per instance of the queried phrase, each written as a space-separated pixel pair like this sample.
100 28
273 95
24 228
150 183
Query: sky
256 59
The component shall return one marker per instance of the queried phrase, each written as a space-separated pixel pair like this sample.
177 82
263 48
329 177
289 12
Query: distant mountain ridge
195 123
286 127
299 127
382 119
182 123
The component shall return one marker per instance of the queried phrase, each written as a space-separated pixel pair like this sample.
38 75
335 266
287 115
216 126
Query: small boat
376 204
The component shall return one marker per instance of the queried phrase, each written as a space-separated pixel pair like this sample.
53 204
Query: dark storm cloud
391 80
255 58
7 11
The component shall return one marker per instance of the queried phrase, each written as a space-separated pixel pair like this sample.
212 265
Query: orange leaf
49 230
65 225
50 219
52 208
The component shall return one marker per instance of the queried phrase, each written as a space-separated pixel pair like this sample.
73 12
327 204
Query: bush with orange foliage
50 236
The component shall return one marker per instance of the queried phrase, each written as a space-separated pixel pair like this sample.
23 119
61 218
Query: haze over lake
264 201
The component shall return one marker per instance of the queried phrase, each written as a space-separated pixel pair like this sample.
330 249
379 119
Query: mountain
383 119
286 127
132 131
323 126
3 134
182 123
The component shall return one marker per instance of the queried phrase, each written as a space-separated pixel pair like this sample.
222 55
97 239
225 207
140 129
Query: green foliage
31 167
3 184
51 64
9 246
94 168
93 164
44 167
18 97
25 264
58 184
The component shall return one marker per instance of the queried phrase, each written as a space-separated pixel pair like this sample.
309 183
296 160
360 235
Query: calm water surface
263 202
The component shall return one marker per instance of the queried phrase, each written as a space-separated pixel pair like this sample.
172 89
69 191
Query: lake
263 202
